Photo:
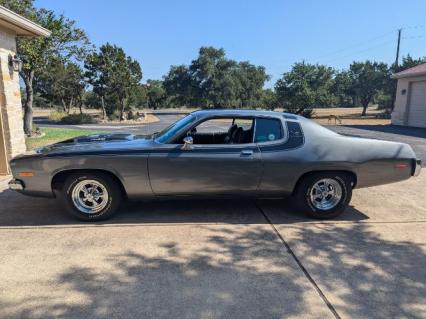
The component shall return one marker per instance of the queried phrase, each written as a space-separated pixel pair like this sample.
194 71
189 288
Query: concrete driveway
217 259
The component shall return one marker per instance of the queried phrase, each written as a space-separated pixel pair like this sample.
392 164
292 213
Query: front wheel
91 197
324 195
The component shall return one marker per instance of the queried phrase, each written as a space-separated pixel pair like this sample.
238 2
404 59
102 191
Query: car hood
96 143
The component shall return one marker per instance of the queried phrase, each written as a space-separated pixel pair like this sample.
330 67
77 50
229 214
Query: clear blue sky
275 34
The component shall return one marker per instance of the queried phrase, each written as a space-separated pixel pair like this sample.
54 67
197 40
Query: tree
251 81
138 96
211 72
343 91
113 75
304 87
268 99
368 78
66 41
212 80
180 86
62 84
155 93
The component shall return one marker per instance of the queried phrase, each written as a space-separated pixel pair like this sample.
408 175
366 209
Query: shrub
36 129
78 119
384 102
131 115
115 116
386 114
57 116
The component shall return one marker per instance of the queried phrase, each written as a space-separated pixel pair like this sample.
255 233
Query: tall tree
304 87
138 96
368 78
113 75
213 80
180 86
211 73
155 93
268 99
62 84
342 90
66 41
251 81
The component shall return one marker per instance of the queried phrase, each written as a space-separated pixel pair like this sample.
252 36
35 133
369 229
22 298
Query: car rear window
268 130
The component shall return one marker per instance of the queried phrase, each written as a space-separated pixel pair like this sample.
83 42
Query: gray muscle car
214 153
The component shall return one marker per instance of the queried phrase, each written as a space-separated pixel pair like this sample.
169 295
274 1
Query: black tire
111 187
305 186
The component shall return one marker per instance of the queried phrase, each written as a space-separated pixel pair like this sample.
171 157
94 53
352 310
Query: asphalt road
165 120
217 259
416 137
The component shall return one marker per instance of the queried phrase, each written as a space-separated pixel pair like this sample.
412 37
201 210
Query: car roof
240 112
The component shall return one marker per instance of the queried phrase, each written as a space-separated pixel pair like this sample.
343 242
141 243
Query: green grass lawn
53 135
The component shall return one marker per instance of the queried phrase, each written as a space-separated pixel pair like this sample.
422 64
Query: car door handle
247 152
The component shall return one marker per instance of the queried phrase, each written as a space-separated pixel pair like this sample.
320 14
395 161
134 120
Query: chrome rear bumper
16 185
417 167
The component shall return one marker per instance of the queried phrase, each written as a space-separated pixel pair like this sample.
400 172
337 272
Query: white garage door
417 113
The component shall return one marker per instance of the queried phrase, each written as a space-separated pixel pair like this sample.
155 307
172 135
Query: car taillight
400 166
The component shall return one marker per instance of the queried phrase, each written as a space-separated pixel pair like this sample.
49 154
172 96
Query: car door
214 169
280 144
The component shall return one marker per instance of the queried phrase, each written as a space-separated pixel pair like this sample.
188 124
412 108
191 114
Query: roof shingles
414 71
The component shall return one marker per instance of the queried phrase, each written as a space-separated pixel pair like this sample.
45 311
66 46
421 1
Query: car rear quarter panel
373 162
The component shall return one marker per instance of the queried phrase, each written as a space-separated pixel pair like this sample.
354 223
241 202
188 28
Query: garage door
417 112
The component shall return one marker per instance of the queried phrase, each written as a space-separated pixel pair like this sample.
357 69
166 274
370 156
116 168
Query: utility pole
395 69
397 49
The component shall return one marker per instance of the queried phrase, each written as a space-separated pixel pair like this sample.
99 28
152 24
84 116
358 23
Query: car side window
232 130
268 130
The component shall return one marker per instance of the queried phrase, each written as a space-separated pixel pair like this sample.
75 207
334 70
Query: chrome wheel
326 194
90 196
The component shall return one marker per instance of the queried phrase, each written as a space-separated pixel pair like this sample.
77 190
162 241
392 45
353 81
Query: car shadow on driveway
230 265
17 210
225 271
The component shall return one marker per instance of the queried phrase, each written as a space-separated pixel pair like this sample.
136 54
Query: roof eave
407 75
22 26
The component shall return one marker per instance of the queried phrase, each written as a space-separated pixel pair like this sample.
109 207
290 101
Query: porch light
15 63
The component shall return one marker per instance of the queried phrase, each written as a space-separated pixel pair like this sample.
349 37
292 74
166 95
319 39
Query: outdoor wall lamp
15 63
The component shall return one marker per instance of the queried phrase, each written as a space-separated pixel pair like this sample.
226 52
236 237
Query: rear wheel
324 195
91 197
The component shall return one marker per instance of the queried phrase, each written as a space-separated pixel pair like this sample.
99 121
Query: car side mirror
187 143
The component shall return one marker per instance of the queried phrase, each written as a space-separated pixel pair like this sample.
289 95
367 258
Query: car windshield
170 131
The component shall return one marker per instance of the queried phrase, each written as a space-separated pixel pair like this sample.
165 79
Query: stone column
10 97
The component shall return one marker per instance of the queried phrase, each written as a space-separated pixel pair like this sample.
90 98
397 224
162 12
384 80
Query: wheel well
350 174
59 179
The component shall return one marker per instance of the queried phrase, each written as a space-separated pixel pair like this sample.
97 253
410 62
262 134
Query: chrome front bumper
16 185
417 167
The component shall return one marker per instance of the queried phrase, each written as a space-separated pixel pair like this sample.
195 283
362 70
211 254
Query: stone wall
10 97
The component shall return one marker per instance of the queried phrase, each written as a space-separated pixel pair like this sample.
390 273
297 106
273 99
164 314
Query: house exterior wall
400 114
10 101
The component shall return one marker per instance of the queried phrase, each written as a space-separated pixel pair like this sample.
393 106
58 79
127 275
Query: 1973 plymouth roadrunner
214 153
